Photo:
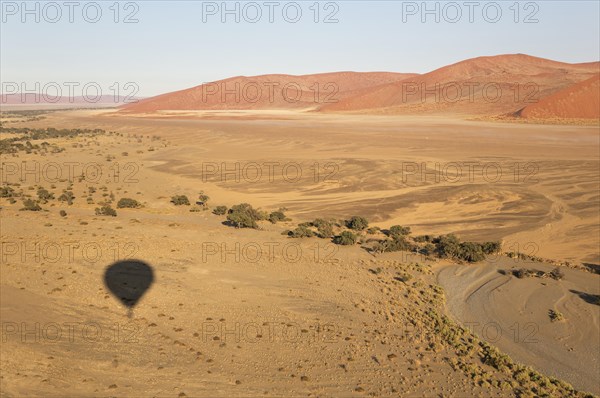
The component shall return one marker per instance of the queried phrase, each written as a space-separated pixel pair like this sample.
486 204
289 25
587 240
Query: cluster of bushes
449 246
180 200
555 274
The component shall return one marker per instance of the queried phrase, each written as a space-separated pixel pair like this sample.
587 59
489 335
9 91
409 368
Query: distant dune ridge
515 84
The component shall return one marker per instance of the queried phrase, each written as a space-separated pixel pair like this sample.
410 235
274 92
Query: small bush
373 230
276 216
399 230
301 232
220 210
6 192
63 213
428 249
471 252
556 274
345 238
357 223
44 195
202 198
324 228
555 316
31 205
106 211
403 277
245 216
392 245
67 196
128 203
447 246
491 247
180 200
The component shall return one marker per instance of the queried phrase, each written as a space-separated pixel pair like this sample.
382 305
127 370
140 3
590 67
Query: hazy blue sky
171 47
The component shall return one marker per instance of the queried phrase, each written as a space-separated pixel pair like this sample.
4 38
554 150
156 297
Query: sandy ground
512 313
322 324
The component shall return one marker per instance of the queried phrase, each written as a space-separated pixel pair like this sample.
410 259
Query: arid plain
245 312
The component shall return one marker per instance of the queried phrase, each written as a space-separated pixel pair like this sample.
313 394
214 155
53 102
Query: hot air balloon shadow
128 280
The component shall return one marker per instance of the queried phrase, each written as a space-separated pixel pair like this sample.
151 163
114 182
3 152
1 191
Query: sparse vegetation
180 200
245 216
357 223
106 211
31 205
346 238
128 203
278 216
555 316
220 210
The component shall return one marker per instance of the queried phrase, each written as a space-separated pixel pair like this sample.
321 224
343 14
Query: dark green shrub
471 252
128 203
357 223
106 211
180 200
44 195
277 216
245 216
448 246
220 210
324 228
31 205
428 249
491 247
392 245
345 238
67 196
423 238
399 230
301 232
6 192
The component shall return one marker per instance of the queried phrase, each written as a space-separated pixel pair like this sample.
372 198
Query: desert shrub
301 232
492 247
180 200
6 192
357 223
403 277
202 198
423 238
128 203
521 273
447 246
276 216
245 216
392 245
555 316
106 211
373 230
220 210
63 213
31 205
471 252
324 228
67 196
556 274
428 249
398 230
44 195
345 238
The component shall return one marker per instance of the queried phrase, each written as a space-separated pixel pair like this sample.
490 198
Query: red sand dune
494 85
579 101
268 92
480 86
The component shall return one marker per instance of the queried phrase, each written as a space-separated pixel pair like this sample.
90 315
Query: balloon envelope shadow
128 280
